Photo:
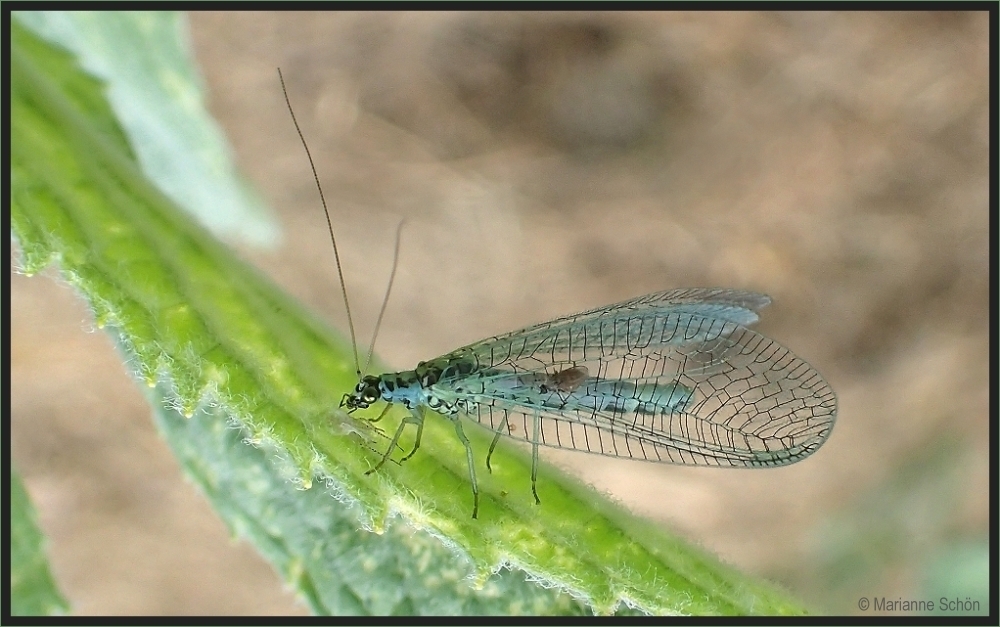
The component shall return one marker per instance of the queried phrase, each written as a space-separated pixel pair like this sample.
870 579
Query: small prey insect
675 377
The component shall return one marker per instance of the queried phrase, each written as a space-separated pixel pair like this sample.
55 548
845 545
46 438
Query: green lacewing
675 377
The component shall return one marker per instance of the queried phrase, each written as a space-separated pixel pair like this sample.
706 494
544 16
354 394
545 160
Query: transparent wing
608 329
656 378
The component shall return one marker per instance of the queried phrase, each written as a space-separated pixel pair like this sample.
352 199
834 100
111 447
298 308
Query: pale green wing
611 328
756 404
672 377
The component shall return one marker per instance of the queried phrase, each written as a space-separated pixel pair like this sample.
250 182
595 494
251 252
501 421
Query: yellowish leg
472 467
413 418
493 445
419 419
537 421
384 412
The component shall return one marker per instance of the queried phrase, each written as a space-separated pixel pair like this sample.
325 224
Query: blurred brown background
549 163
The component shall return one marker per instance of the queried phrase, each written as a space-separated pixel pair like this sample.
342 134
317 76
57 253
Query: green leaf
216 339
32 589
314 542
156 96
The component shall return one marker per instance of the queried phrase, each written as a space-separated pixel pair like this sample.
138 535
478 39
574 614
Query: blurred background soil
550 163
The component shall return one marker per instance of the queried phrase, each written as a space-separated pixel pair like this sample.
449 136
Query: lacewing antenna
329 225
